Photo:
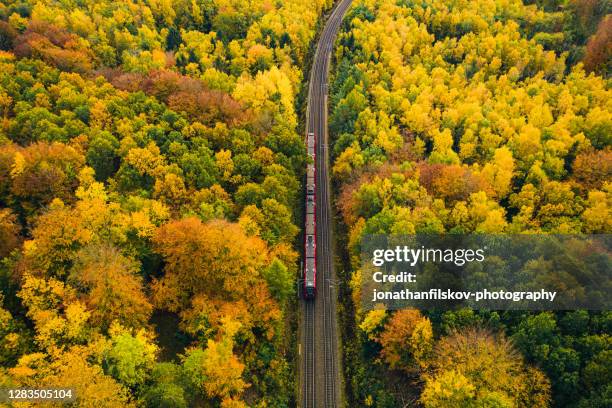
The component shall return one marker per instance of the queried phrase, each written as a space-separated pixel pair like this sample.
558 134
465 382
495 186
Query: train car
311 144
310 250
310 181
310 236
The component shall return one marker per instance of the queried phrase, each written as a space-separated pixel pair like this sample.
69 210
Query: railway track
309 354
320 374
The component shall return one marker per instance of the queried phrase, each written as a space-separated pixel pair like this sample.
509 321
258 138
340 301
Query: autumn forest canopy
474 117
150 169
151 176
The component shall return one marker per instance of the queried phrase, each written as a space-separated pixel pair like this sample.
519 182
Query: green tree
102 155
130 358
280 280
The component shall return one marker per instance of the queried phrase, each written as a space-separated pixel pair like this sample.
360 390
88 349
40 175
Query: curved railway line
319 343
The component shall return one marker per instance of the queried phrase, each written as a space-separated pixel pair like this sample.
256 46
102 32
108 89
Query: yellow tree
91 387
111 287
60 319
406 339
484 367
216 370
216 259
499 171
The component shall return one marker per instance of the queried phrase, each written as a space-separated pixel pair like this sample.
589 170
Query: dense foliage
150 166
474 116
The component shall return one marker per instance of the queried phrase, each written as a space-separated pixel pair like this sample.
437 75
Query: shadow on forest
171 340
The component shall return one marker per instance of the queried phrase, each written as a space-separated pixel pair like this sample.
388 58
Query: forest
150 172
459 117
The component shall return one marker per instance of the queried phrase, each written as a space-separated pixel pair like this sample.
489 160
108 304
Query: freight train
310 237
